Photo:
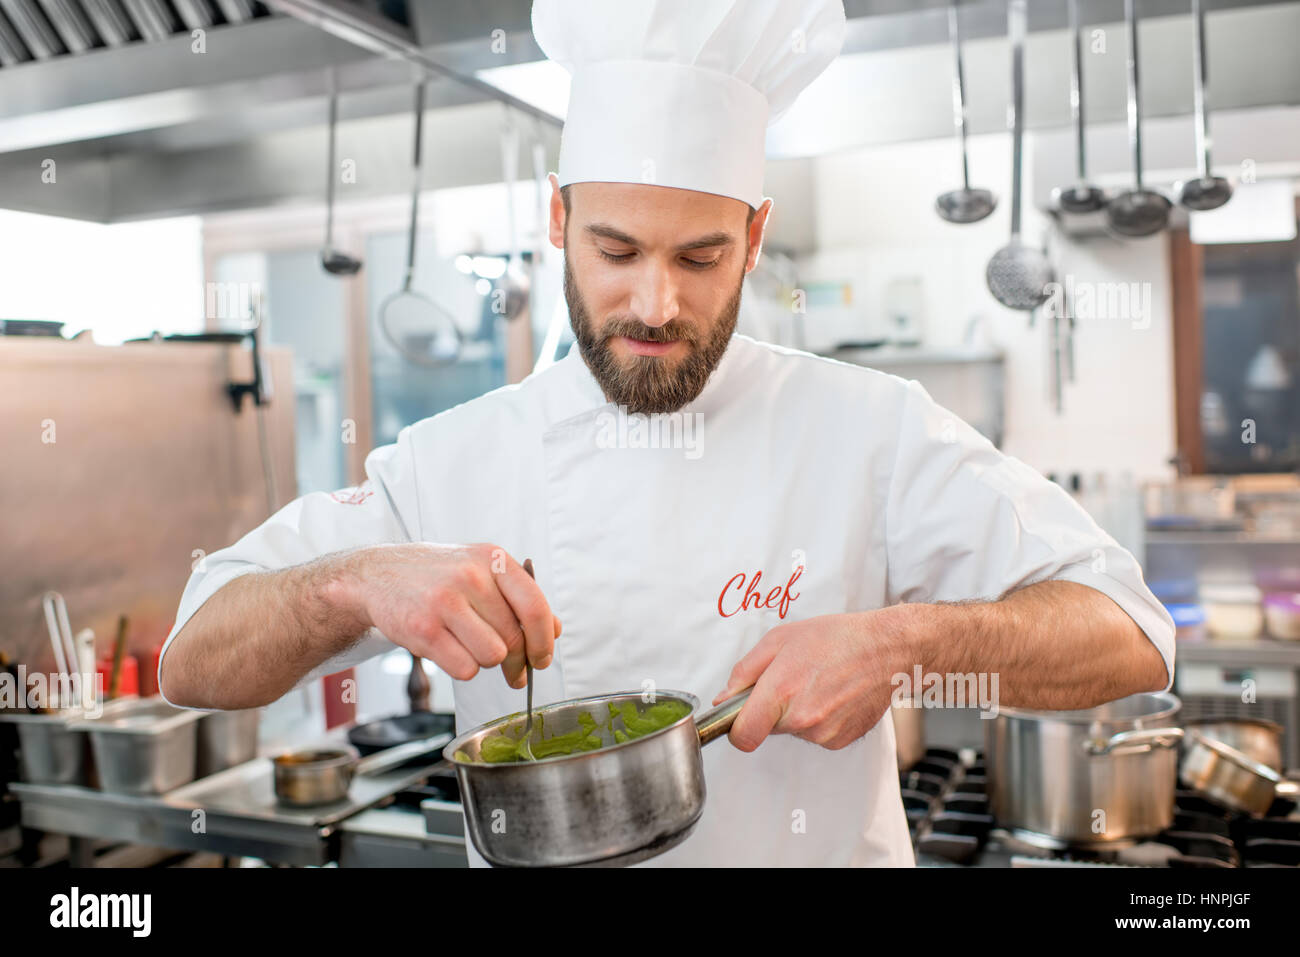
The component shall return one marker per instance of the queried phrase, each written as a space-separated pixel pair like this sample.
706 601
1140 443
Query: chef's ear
555 230
757 227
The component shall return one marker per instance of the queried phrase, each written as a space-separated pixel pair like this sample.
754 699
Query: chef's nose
654 300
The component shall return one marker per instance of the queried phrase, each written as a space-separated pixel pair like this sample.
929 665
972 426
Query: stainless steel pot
623 803
1227 775
312 778
322 776
1256 738
1100 776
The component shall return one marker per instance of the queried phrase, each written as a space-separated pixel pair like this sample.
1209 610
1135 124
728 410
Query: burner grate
946 800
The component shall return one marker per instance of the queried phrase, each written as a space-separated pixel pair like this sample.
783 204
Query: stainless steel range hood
46 29
140 124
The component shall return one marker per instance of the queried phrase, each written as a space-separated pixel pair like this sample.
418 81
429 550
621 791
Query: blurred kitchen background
178 363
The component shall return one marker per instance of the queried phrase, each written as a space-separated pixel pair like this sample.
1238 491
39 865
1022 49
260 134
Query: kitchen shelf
1261 651
1202 538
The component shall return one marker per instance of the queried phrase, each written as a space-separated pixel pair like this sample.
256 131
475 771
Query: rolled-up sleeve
383 509
965 521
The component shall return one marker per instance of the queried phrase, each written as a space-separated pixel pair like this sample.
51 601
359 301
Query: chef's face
652 277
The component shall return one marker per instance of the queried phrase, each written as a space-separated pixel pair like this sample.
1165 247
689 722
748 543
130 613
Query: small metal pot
311 778
1102 776
323 775
1229 776
620 804
1256 738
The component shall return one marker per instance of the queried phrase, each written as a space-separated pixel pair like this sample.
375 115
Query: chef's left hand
825 679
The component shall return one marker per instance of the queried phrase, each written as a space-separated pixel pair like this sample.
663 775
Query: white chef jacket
858 477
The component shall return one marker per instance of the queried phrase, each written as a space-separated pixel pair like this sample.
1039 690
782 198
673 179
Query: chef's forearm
259 634
1056 645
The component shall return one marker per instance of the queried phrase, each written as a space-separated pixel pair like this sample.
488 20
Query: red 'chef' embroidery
352 496
747 596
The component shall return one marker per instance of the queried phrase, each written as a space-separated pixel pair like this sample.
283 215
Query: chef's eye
615 258
700 263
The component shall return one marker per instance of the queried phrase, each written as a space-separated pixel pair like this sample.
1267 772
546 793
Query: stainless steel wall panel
149 463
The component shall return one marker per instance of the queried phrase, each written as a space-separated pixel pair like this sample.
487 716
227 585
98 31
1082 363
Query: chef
705 512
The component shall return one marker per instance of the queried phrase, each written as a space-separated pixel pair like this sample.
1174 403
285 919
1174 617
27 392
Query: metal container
50 749
143 745
1256 738
226 738
620 804
313 778
1102 776
323 775
1229 776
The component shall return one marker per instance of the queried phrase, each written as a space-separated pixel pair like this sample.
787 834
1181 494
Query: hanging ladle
963 205
1205 191
334 262
422 331
1082 197
1137 212
1018 275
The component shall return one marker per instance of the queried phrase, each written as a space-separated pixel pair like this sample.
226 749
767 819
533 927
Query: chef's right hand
463 607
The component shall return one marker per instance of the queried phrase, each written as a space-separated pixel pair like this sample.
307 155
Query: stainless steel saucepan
1234 774
622 803
323 775
1103 776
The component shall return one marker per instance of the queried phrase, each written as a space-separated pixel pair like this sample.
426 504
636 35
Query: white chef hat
680 92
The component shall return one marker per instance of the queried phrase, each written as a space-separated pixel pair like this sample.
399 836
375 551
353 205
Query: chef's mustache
673 330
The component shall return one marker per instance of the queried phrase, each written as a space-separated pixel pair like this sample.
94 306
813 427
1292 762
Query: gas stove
422 825
945 796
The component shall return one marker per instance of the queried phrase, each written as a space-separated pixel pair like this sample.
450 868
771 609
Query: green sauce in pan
498 748
501 748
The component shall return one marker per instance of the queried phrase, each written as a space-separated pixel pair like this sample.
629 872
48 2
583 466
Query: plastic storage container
1282 615
1175 591
1232 612
1189 621
129 679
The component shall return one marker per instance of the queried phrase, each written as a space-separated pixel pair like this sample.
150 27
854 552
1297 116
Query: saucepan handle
1135 742
389 758
716 722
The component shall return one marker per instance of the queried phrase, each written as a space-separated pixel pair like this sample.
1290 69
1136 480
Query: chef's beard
648 384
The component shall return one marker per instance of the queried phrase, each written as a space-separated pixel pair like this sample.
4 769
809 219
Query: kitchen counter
234 813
